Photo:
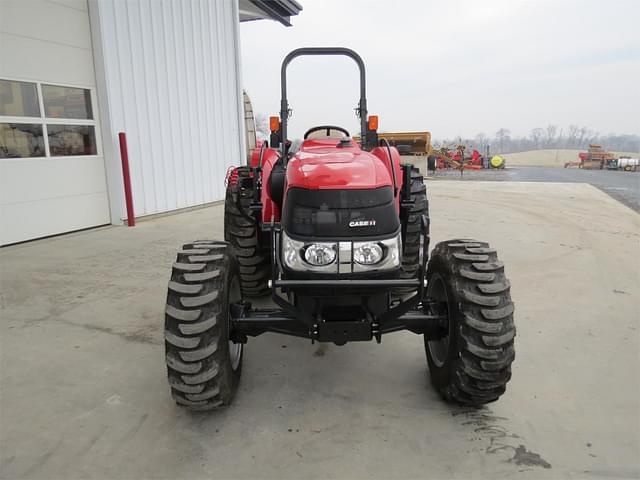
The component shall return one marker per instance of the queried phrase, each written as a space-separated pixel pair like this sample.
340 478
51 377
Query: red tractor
337 232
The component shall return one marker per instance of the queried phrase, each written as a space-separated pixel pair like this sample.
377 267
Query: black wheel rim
235 349
439 349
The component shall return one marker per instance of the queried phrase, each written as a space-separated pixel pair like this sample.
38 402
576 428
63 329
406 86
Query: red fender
383 154
269 158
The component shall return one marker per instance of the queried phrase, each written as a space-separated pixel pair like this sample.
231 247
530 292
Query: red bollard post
124 155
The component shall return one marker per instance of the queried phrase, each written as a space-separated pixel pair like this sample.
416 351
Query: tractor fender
269 158
270 209
383 154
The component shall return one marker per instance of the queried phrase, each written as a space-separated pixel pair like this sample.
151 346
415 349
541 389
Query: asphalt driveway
623 186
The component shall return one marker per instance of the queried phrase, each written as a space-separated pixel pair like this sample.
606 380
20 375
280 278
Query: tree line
552 137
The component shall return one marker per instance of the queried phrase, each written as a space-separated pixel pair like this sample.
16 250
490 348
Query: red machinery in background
456 158
595 158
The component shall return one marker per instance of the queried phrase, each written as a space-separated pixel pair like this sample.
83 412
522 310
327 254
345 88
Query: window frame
44 120
37 97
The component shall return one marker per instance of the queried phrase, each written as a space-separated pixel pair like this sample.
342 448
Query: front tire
471 364
203 366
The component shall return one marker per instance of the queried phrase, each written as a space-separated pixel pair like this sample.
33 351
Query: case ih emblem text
362 223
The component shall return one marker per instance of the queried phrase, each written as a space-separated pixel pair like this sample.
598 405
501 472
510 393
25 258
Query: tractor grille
340 213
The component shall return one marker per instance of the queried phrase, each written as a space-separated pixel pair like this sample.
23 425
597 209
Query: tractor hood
335 192
321 164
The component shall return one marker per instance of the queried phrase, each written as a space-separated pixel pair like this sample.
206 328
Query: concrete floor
84 394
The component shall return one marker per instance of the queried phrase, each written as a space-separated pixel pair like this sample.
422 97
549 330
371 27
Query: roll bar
284 104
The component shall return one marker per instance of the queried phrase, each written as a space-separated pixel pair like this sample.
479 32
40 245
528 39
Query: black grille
340 213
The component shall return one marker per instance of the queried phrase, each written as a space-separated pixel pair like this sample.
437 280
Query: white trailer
628 164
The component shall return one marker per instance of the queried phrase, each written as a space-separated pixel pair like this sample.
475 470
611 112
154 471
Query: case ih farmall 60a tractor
338 234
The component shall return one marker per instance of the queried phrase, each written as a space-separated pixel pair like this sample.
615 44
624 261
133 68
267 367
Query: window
42 120
18 99
66 102
20 140
71 140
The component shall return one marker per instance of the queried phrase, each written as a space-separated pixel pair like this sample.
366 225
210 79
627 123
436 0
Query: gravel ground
623 186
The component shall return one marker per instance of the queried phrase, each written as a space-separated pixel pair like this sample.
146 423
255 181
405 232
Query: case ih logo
362 223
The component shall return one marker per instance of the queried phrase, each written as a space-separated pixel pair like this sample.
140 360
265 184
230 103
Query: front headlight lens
320 254
291 252
342 257
368 254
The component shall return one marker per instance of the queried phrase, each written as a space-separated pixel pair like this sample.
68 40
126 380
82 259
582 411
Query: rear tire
203 366
244 236
432 162
471 365
412 227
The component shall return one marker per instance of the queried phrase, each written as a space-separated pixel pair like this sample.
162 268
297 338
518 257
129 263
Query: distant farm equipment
596 158
446 157
497 162
627 164
455 158
407 143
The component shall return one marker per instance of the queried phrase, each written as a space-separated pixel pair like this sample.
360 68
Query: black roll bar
284 104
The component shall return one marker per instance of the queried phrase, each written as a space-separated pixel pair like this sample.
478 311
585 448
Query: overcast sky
455 67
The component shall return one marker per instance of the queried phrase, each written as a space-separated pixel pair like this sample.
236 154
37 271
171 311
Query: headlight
320 254
302 257
381 255
342 257
291 252
368 254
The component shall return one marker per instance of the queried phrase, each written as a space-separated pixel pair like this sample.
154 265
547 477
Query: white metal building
74 73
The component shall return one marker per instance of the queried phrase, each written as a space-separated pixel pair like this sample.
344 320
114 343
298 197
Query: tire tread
481 367
193 332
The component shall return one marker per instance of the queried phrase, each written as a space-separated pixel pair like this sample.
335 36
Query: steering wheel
328 128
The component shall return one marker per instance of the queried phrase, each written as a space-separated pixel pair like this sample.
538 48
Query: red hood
320 164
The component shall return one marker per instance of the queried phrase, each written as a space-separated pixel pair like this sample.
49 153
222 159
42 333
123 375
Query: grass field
531 158
548 158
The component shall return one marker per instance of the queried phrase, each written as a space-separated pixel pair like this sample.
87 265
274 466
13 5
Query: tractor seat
326 131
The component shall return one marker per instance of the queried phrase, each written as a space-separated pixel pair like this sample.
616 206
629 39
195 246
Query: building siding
49 42
168 76
34 46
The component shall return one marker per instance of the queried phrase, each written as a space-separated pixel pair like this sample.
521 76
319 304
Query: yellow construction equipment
408 143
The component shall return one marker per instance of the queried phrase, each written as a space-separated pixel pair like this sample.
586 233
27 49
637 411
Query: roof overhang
278 10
